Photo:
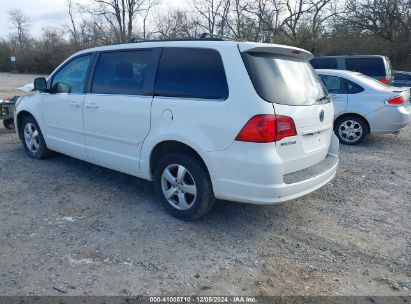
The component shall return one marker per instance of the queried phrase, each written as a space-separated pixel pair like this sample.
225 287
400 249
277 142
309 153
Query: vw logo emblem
322 115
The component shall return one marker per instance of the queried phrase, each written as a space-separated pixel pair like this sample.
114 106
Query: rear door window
122 72
324 63
368 66
191 73
334 84
353 88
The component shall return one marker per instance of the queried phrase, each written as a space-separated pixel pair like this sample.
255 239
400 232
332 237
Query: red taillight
260 128
396 101
266 128
384 80
285 127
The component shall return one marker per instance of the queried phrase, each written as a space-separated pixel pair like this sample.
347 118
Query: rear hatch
284 77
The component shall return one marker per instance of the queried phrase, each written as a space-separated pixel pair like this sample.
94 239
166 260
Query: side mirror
40 84
61 87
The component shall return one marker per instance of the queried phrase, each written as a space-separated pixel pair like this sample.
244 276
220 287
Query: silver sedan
363 105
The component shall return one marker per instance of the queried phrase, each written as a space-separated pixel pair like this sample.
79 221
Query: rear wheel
8 123
32 138
183 186
351 130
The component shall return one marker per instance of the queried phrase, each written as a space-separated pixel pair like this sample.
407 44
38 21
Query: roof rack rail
203 37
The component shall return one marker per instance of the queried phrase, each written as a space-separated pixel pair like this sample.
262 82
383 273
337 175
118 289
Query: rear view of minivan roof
214 43
349 55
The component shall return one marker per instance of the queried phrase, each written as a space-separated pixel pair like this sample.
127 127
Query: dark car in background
375 66
402 79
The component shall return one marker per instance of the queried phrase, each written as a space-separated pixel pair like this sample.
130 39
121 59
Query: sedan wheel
178 187
351 130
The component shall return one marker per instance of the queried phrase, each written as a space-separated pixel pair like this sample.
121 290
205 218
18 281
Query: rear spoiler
251 47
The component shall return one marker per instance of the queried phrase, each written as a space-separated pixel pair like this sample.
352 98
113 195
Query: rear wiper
324 99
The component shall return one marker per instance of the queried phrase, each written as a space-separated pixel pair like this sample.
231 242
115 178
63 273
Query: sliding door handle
75 104
92 105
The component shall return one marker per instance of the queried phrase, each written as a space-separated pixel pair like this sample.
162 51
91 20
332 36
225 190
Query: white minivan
203 119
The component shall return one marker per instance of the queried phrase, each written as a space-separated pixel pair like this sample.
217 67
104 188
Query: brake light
266 128
396 101
285 127
384 80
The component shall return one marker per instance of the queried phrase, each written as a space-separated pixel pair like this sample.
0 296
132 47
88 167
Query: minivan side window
368 66
324 63
402 76
121 72
191 73
71 77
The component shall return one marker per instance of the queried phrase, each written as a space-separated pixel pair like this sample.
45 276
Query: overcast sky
43 13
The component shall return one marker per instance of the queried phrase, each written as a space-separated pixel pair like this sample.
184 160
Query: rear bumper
284 187
389 119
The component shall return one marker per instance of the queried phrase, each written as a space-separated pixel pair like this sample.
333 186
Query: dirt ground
69 227
10 82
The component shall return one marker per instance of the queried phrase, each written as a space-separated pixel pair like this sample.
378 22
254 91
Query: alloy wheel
31 138
178 187
350 131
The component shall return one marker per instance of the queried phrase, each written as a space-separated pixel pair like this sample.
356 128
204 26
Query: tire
32 138
185 181
351 130
8 123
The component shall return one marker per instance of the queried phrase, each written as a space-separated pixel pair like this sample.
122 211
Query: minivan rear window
191 73
284 79
324 63
368 66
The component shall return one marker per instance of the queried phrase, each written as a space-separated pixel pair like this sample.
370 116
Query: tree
120 15
175 24
384 18
73 30
212 15
20 24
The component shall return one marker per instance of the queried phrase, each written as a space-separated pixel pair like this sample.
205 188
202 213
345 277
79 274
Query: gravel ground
9 83
69 227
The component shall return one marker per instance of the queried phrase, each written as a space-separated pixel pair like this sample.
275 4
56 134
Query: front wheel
32 138
183 186
351 130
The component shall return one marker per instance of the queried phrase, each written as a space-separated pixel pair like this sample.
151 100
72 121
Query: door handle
75 104
92 105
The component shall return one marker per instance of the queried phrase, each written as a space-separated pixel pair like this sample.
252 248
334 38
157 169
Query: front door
62 108
117 110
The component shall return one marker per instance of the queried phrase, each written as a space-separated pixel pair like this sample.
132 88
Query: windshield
284 79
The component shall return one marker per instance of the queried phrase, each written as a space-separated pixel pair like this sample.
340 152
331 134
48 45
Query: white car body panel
63 123
312 139
114 134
